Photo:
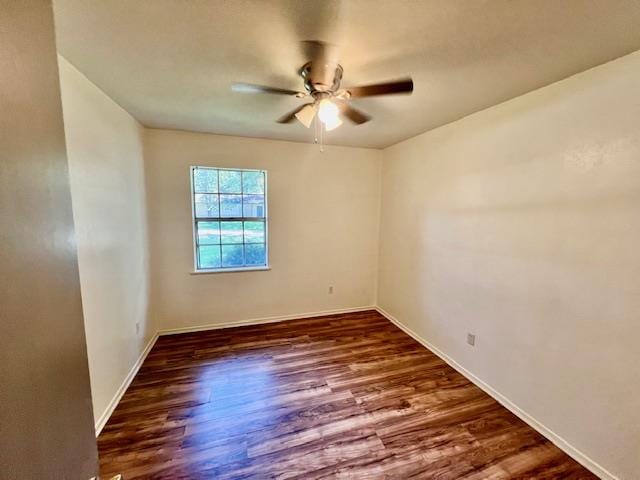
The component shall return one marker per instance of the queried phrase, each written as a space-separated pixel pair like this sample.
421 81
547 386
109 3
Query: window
229 218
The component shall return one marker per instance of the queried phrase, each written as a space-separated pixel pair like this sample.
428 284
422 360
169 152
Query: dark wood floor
344 396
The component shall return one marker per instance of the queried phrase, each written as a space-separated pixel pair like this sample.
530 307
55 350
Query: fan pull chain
315 129
318 138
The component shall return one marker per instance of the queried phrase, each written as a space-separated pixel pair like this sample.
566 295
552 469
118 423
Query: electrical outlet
330 289
471 339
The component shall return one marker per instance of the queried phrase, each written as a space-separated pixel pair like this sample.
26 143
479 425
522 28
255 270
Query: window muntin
229 218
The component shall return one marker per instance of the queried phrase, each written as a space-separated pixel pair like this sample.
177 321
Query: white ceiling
170 63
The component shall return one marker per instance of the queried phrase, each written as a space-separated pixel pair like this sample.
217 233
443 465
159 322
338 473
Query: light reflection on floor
237 387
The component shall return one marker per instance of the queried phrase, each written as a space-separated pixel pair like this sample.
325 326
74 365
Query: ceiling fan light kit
306 115
327 111
332 124
322 76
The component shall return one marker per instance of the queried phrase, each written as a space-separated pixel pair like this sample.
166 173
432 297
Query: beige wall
46 426
323 217
104 145
521 224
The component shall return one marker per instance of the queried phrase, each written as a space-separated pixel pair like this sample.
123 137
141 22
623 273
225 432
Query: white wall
104 145
521 224
323 229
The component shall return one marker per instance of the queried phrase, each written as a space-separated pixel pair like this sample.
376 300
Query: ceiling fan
322 75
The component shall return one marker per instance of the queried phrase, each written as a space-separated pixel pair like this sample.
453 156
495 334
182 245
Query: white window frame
194 223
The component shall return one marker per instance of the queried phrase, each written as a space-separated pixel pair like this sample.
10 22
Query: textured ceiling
170 63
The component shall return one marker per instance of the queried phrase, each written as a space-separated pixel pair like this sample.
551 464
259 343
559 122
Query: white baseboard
556 439
259 321
102 421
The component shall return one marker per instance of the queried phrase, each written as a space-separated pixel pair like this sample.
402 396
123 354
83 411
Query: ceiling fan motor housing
321 77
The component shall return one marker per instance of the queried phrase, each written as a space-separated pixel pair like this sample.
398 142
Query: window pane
230 181
205 180
254 232
253 182
221 199
209 257
231 232
255 254
253 205
208 233
206 205
232 256
230 205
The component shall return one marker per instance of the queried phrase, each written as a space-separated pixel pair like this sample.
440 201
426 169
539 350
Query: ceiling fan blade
399 86
251 88
291 116
353 114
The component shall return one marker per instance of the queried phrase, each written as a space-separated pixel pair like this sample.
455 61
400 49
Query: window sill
230 270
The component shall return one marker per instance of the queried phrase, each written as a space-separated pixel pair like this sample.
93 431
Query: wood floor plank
343 396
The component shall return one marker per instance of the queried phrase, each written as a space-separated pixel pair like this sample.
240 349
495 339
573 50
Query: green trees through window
229 215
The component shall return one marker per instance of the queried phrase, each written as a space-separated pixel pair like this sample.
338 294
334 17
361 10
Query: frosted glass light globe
333 124
328 112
